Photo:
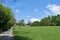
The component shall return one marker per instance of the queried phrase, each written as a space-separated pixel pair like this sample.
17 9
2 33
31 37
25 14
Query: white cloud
34 19
54 8
17 10
36 10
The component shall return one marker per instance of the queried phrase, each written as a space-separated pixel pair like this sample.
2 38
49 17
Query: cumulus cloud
34 19
17 10
54 8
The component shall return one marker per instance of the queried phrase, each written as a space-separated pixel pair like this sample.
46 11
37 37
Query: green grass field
37 33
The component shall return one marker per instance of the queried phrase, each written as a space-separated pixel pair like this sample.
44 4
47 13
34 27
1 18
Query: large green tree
45 22
55 20
6 17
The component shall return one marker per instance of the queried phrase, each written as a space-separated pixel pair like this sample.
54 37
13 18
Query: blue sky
33 10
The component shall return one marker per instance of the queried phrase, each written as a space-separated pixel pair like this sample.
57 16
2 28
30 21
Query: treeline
47 21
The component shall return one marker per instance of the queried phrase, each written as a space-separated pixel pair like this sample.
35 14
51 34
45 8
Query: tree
36 23
51 21
6 17
55 20
58 20
46 21
21 22
12 22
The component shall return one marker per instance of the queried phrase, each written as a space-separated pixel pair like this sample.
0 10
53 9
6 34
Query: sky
33 10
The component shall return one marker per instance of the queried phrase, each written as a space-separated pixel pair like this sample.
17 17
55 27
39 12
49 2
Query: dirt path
7 35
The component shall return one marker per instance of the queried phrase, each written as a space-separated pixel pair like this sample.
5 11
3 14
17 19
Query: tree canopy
6 17
48 21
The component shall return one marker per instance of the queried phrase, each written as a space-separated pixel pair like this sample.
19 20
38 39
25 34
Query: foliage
48 21
55 21
45 21
21 22
6 18
36 23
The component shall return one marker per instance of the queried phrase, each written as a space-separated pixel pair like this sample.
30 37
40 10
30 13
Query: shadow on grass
21 38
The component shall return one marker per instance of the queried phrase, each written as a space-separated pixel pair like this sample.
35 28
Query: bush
6 18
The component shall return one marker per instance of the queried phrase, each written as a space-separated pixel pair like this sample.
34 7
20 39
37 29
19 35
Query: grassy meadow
36 33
